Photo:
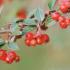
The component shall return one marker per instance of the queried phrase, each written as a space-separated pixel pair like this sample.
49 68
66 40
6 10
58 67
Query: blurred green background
52 56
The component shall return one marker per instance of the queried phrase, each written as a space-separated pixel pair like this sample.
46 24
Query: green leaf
29 21
39 14
27 29
51 4
15 29
2 42
13 46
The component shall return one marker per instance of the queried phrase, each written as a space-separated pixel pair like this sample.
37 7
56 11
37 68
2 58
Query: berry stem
39 31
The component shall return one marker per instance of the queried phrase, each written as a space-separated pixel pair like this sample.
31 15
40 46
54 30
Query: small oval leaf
39 14
13 46
29 21
51 4
15 29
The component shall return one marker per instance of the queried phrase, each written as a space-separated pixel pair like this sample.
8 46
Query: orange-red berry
17 59
21 14
27 42
63 25
64 8
67 21
39 40
1 2
55 16
61 18
3 54
45 37
33 42
29 35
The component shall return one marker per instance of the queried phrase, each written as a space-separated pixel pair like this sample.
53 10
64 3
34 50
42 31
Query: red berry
8 60
1 2
17 59
3 54
61 18
45 37
67 3
64 8
27 42
67 21
33 42
11 56
39 40
55 16
63 24
29 35
21 14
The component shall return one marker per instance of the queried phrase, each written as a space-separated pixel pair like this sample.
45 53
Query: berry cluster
65 7
32 40
63 21
9 57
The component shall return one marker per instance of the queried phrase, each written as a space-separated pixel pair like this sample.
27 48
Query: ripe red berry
67 21
3 54
1 2
17 59
55 16
9 61
63 25
39 40
64 8
61 19
45 37
21 14
67 3
27 42
33 42
29 35
11 56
